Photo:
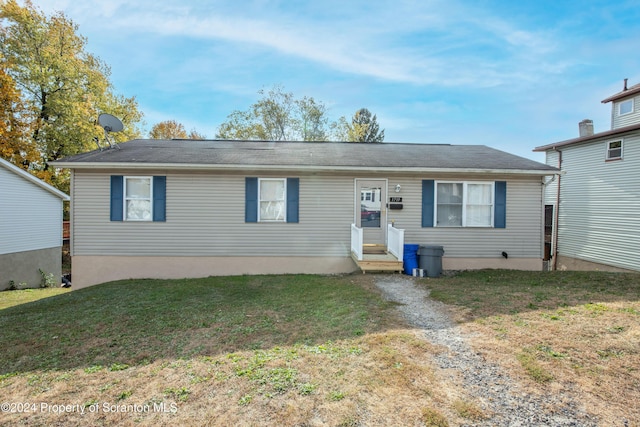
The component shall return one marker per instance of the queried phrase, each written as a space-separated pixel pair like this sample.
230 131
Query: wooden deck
376 258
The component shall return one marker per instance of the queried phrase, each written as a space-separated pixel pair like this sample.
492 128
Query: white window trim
284 181
608 149
492 184
632 101
125 198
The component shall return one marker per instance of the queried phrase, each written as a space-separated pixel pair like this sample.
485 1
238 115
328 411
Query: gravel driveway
500 396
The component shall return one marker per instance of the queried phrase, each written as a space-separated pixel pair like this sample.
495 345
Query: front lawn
247 350
561 331
309 350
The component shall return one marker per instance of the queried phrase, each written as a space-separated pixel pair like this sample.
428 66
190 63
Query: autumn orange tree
15 145
61 89
171 129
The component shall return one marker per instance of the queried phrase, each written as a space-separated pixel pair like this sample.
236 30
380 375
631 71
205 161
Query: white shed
30 227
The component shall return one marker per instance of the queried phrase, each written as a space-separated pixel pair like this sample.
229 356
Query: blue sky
510 75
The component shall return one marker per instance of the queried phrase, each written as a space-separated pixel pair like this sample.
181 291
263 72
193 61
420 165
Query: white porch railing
356 242
395 241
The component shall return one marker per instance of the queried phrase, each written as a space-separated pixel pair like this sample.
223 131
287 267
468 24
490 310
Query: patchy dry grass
560 332
266 350
309 350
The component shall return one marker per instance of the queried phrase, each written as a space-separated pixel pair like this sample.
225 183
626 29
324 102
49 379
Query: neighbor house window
272 197
614 150
625 107
464 204
138 204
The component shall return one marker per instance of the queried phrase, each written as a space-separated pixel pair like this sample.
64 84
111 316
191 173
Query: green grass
12 298
135 322
494 292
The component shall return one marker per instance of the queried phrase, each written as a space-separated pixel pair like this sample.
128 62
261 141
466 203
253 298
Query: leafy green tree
278 116
364 128
63 87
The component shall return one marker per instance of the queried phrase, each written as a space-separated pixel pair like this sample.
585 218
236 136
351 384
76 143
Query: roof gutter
278 168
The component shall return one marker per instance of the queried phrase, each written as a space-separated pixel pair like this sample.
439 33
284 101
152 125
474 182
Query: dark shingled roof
308 155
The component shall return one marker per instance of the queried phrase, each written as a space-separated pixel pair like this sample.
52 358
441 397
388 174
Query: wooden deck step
379 262
372 249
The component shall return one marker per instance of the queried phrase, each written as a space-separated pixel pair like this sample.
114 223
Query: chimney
585 127
625 85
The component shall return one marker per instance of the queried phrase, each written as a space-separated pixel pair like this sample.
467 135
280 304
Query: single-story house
187 208
595 204
30 228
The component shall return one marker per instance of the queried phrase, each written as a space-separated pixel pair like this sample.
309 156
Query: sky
511 75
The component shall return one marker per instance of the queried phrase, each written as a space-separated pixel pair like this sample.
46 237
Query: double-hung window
614 150
271 199
138 198
464 204
272 194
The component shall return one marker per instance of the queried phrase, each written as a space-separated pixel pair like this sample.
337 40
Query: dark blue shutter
500 205
159 198
117 198
293 192
251 200
428 200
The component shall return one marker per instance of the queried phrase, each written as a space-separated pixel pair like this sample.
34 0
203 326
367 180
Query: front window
614 150
138 196
625 107
464 204
272 196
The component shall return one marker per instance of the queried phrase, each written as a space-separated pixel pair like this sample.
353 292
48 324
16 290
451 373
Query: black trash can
430 259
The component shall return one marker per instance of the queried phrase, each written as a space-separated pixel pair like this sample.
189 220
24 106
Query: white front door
371 209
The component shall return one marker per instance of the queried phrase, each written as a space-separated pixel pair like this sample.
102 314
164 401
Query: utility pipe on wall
556 214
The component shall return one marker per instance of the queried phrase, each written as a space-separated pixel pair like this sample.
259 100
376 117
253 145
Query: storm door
371 212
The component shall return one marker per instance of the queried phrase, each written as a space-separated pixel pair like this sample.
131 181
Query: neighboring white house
597 210
30 227
185 208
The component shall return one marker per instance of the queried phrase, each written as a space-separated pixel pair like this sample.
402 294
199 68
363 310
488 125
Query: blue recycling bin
410 258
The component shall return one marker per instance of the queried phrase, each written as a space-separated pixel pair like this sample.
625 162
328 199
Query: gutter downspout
557 213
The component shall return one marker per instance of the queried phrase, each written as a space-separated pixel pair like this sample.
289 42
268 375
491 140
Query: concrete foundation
527 264
23 267
92 270
568 263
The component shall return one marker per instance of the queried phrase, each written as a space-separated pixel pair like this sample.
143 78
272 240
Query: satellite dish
110 124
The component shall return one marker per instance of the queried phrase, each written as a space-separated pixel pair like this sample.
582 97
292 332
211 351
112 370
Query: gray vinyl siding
522 237
551 190
31 216
618 121
205 217
600 204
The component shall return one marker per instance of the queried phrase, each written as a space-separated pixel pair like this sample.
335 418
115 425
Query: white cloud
448 39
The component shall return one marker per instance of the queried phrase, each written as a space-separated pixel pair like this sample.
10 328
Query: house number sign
395 199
